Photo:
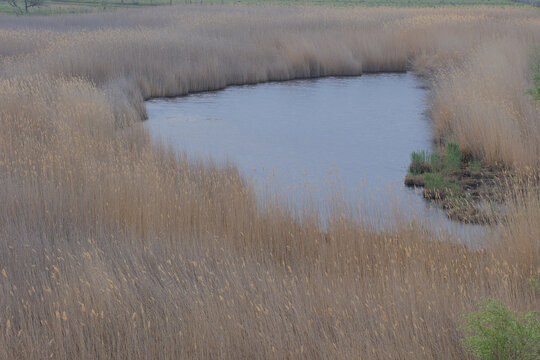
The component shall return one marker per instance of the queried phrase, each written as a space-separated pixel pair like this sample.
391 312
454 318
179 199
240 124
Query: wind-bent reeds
114 247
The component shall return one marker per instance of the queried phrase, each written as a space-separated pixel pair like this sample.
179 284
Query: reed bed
112 246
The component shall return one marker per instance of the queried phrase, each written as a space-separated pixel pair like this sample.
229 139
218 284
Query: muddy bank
468 189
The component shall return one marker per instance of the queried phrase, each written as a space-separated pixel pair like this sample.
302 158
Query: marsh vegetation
115 246
459 183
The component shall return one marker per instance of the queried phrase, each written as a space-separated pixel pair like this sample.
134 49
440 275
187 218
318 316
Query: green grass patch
436 181
452 157
424 161
535 71
420 156
419 162
432 162
456 181
440 182
435 161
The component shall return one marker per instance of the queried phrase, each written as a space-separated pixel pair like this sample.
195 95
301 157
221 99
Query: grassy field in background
51 7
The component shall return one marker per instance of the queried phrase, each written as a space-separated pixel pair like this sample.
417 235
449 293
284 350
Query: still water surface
323 135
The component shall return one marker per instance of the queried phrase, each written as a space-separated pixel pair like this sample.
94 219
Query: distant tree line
22 6
530 2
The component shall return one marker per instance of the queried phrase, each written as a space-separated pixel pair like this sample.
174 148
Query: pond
314 139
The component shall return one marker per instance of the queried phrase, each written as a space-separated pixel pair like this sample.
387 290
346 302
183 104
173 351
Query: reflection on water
350 135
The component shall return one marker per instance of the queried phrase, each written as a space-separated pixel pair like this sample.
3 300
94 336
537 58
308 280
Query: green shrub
496 333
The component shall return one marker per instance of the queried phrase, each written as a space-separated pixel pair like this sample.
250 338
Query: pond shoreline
402 102
424 80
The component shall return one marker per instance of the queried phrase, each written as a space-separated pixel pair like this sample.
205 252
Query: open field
112 246
51 7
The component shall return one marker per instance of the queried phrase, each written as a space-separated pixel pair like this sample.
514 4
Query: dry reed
114 247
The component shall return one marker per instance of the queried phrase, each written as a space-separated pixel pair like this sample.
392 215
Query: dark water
352 136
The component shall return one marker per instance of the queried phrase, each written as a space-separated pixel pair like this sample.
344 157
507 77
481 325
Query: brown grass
114 247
